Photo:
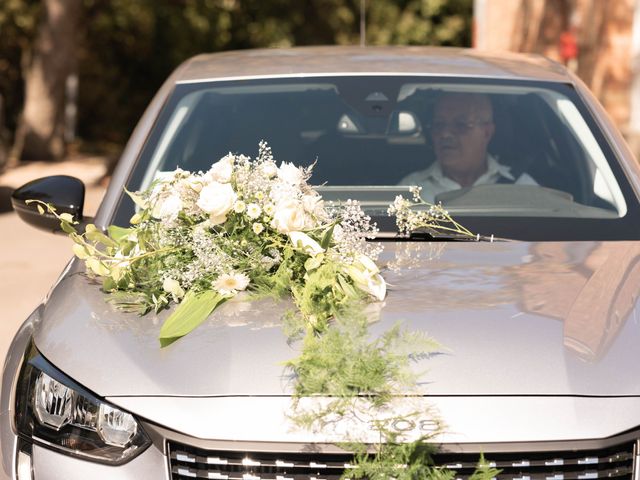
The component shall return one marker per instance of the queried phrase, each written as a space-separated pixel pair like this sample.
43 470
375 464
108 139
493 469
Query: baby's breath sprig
417 214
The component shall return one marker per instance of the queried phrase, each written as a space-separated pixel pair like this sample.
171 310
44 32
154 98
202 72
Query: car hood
514 318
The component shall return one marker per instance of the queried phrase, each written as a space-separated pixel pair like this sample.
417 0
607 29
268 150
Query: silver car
540 325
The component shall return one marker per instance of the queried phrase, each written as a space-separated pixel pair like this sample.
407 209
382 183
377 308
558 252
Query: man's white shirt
434 182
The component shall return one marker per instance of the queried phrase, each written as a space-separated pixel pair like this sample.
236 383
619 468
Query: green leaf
137 199
40 209
66 227
192 311
118 233
108 284
97 236
326 238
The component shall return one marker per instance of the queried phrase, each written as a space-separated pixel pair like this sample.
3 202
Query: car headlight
54 411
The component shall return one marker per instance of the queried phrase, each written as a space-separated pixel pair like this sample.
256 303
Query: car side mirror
63 192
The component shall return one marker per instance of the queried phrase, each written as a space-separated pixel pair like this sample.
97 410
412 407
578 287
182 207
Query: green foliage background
126 49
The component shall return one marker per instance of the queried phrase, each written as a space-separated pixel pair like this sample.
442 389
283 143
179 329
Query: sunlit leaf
192 311
119 233
67 228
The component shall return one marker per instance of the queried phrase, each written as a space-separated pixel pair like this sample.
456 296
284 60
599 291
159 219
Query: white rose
217 199
192 182
304 242
312 203
173 287
269 169
290 174
288 217
167 207
221 170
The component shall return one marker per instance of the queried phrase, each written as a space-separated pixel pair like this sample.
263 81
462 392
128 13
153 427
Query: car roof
327 61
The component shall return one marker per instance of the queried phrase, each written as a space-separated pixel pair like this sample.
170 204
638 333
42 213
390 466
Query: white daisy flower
239 206
258 228
253 210
230 284
269 208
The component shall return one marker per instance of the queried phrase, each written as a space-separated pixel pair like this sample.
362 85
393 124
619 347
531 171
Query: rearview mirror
64 193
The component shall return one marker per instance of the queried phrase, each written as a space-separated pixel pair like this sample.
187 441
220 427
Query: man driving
461 130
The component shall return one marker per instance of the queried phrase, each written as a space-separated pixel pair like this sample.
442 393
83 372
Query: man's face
461 130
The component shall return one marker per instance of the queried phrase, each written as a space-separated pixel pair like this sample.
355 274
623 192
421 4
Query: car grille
189 462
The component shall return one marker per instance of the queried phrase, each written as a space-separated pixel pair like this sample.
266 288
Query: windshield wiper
435 236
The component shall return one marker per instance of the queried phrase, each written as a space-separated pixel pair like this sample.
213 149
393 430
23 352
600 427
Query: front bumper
212 427
176 456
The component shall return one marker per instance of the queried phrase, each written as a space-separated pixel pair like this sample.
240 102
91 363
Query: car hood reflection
514 318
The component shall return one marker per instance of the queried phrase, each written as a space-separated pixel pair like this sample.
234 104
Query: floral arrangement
198 239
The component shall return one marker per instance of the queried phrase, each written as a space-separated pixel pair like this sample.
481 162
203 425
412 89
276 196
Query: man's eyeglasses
458 127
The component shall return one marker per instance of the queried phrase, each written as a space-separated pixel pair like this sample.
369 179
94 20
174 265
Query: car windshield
515 159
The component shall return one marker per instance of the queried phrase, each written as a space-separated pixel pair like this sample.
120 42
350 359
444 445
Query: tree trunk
40 134
3 137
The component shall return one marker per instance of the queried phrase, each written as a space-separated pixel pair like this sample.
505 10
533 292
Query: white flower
270 169
167 207
312 203
217 200
239 206
338 232
269 208
365 274
230 284
253 210
376 286
304 242
173 287
192 182
257 228
290 174
221 170
288 217
367 263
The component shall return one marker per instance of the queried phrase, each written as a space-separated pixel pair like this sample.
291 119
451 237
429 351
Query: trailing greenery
368 383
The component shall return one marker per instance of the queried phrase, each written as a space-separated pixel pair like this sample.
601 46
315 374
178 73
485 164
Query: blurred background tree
123 51
18 21
594 38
